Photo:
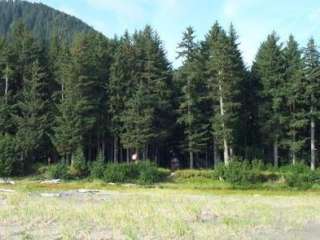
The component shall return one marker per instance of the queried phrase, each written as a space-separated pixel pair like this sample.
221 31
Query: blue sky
253 19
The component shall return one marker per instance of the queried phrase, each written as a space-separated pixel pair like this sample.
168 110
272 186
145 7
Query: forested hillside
106 99
40 19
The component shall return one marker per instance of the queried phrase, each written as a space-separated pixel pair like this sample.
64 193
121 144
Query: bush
79 168
40 169
190 173
97 169
120 173
58 171
240 173
300 176
298 168
258 165
142 172
150 174
8 162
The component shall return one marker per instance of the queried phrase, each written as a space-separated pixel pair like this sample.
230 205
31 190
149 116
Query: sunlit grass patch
155 213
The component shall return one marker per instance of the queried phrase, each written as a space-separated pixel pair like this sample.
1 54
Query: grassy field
167 211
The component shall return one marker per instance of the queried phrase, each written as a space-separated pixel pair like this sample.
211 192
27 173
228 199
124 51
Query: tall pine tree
32 118
312 74
224 76
295 115
190 115
269 68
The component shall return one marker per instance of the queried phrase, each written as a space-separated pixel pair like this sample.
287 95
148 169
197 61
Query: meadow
70 210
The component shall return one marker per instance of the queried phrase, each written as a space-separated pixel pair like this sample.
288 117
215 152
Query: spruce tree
312 74
152 77
76 111
137 119
5 96
224 78
269 68
190 115
295 115
32 118
119 88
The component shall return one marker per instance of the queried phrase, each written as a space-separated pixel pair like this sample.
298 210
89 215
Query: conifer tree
137 119
120 87
32 118
76 111
224 78
156 72
5 98
312 74
152 77
295 115
190 115
269 68
206 50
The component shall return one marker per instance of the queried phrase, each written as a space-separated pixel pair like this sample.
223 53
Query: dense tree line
109 98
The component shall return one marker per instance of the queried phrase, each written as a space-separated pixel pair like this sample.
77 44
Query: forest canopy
67 91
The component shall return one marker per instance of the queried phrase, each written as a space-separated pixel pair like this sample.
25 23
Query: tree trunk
225 143
231 152
103 150
90 150
62 91
191 156
313 144
121 153
275 153
216 155
128 155
6 90
293 153
115 150
206 159
294 158
70 159
156 159
225 152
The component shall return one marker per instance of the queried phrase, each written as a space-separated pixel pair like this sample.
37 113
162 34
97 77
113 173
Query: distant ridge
40 19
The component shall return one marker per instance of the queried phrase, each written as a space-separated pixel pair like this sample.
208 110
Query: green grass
195 185
166 211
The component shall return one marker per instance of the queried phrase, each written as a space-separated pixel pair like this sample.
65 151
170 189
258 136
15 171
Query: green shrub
298 168
40 169
79 168
150 174
258 165
97 169
142 172
190 173
8 162
100 157
58 171
239 173
120 173
300 176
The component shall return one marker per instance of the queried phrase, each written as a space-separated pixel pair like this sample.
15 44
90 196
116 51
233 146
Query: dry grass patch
157 214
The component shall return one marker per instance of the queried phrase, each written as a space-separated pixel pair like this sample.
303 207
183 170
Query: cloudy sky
253 19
